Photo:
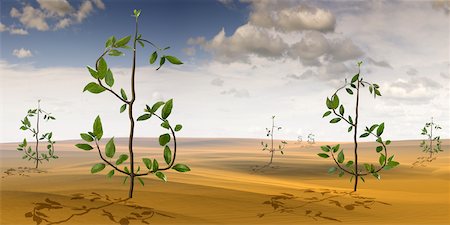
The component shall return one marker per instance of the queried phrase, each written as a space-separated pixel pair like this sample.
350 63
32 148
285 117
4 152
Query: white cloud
31 18
190 51
238 93
22 53
63 23
56 7
84 11
412 72
417 90
18 31
99 4
217 82
196 41
2 27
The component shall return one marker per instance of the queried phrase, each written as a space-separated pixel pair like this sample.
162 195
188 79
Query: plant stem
431 138
271 136
130 114
355 136
37 134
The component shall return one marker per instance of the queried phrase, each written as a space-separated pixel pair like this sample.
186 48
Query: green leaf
178 127
181 168
349 91
325 148
332 170
167 109
125 180
97 167
93 72
341 110
122 158
162 60
355 78
323 155
147 162
380 129
376 175
85 147
364 135
144 117
349 128
165 124
153 57
140 181
167 154
109 78
372 128
123 108
97 128
382 159
110 148
327 113
173 60
123 41
161 176
329 104
377 92
110 41
341 174
379 148
110 174
335 101
102 68
115 52
341 156
157 105
164 139
362 178
155 165
126 169
86 137
335 120
124 95
94 88
336 148
349 163
388 142
367 167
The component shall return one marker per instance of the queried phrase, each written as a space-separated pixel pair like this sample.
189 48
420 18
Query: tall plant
433 142
271 148
26 126
102 73
335 108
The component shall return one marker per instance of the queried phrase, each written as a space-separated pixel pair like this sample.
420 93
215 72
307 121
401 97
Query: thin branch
144 40
385 158
108 162
339 165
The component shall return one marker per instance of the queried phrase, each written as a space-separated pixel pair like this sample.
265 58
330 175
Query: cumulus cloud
305 75
190 51
22 53
416 90
411 72
217 82
53 14
443 5
18 31
380 63
238 93
272 14
2 27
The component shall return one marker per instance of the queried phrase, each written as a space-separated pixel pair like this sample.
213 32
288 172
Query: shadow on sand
423 161
306 204
116 210
21 171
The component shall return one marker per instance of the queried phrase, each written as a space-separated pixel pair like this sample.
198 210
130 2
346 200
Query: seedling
433 143
26 126
102 73
311 139
265 146
352 167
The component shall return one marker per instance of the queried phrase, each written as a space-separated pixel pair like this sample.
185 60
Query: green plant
26 126
102 73
265 146
433 143
311 138
376 130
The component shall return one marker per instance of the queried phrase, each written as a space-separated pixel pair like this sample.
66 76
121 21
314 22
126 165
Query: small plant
311 139
102 73
265 146
352 167
433 143
26 126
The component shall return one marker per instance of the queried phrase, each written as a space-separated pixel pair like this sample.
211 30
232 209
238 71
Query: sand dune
223 189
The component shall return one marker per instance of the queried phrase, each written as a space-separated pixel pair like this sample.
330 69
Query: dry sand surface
223 189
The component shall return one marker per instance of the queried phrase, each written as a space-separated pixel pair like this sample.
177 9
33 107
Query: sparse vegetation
433 143
337 109
102 73
271 146
28 153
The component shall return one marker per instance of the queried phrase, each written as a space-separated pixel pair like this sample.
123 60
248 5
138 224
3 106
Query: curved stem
37 134
108 162
355 140
385 159
144 40
339 165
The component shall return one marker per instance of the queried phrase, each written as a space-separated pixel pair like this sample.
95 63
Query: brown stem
108 162
355 140
37 134
431 138
271 137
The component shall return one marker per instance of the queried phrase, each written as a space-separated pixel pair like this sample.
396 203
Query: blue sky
244 61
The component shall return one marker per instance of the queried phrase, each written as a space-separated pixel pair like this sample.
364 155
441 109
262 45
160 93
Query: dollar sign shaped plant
26 126
102 73
336 109
433 143
265 146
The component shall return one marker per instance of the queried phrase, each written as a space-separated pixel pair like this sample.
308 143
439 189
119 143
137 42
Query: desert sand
223 189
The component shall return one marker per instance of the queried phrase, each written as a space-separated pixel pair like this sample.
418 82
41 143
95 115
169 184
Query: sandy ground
223 189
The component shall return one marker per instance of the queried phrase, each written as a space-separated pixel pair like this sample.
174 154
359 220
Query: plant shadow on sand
423 161
21 171
116 210
309 201
263 169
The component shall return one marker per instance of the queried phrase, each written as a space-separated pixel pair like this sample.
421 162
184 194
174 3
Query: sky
244 61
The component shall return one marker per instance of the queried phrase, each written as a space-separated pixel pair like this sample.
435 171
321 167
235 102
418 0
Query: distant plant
271 148
433 143
299 139
103 73
26 125
311 139
352 167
